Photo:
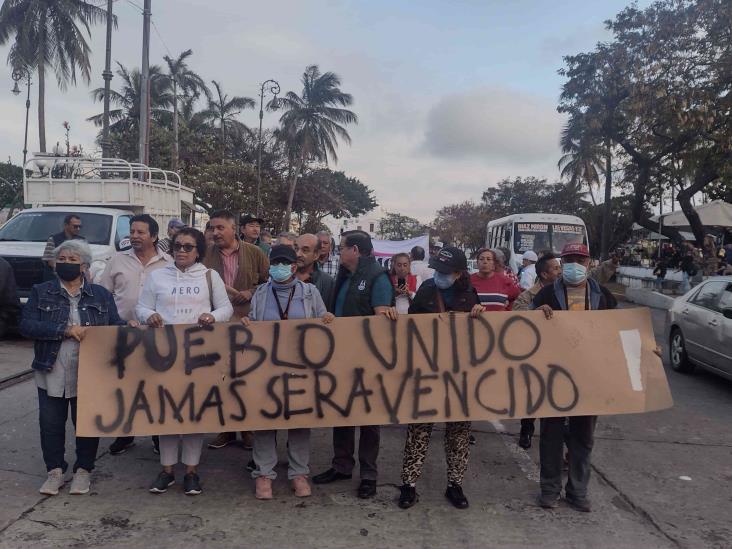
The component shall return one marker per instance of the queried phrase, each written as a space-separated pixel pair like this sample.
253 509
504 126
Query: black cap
449 260
249 218
280 251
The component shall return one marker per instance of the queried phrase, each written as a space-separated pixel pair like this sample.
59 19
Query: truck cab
104 193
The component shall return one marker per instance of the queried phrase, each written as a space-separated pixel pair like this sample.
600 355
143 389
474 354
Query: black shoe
331 475
251 466
160 486
408 496
455 494
548 501
471 440
121 445
156 444
367 489
525 439
191 484
579 504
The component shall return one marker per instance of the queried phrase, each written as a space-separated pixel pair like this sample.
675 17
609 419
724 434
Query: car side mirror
727 312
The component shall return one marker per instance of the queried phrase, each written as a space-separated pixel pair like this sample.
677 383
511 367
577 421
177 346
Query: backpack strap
210 288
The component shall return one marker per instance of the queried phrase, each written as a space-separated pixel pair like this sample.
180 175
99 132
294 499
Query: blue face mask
280 272
443 281
574 273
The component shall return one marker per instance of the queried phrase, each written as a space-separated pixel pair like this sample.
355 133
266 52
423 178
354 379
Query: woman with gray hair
57 316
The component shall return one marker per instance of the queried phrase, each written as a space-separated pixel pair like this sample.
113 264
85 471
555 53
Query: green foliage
394 226
11 186
462 225
531 195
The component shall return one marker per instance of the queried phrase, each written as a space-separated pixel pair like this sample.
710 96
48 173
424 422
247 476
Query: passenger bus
539 232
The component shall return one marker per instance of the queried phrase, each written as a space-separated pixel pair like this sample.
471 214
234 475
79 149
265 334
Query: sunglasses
184 247
76 226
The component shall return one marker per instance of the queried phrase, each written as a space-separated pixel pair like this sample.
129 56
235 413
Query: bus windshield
38 226
542 237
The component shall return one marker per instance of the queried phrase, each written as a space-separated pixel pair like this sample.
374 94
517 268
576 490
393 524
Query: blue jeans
52 414
685 286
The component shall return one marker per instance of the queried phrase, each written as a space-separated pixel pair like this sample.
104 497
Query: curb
649 298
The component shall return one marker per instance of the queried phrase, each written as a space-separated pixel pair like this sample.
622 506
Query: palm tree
127 114
50 33
581 162
190 84
223 110
312 123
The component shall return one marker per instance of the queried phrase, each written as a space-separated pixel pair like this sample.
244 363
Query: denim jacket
47 312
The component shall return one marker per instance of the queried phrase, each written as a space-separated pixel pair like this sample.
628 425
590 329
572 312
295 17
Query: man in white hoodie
184 292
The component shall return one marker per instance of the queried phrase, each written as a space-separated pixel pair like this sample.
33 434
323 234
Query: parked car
699 328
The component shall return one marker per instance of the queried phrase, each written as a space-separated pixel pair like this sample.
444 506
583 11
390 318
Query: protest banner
367 371
384 250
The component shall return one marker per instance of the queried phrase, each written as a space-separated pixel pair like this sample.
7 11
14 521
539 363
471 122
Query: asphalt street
660 479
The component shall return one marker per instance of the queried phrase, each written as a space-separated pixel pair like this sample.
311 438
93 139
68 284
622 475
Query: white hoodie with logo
180 297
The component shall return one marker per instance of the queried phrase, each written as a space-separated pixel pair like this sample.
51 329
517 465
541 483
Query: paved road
660 480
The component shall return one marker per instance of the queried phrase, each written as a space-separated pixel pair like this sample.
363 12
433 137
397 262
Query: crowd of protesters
235 271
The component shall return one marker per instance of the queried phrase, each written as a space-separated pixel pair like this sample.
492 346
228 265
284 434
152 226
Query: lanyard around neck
283 314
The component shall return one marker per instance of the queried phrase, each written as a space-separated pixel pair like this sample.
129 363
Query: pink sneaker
301 486
263 488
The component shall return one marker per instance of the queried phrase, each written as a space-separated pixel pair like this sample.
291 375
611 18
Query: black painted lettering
329 347
414 334
533 403
127 341
474 358
118 418
325 397
388 364
511 393
177 407
275 346
503 334
419 390
287 391
460 392
241 416
454 342
212 400
275 398
554 370
156 361
392 407
197 361
237 348
139 403
483 377
358 389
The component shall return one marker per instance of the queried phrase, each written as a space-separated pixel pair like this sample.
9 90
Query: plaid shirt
330 265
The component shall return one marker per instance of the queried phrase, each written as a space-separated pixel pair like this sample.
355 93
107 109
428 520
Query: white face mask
443 281
574 273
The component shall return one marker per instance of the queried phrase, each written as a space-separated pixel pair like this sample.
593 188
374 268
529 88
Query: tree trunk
223 141
41 107
291 192
175 126
704 175
607 207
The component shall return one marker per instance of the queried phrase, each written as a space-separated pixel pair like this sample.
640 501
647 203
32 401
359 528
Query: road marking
632 348
520 456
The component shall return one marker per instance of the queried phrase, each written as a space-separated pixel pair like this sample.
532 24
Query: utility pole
145 83
274 89
107 75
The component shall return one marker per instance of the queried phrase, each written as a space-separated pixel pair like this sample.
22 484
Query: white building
368 223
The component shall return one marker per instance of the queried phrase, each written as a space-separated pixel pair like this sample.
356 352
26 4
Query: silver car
699 328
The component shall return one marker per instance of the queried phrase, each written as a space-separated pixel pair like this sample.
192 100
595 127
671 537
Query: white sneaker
80 483
54 481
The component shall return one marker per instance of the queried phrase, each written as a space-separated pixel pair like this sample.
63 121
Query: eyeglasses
187 248
76 226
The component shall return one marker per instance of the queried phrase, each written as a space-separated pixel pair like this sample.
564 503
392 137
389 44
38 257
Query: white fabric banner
385 249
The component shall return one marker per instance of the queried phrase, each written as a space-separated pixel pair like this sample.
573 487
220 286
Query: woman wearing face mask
448 290
184 292
284 297
496 290
574 291
57 316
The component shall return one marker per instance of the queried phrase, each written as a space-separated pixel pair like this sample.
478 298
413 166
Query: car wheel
677 353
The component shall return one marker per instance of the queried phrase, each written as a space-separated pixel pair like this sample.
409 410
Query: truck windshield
38 226
542 237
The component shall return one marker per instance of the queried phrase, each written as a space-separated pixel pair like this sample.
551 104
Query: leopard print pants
457 450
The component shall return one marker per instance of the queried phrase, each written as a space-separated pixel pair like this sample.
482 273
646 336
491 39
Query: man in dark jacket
574 291
362 288
9 302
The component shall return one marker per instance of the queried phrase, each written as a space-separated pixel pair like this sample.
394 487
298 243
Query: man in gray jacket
307 248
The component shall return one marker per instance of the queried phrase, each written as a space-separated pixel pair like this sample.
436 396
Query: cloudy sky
451 96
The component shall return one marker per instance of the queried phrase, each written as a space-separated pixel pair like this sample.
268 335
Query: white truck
104 193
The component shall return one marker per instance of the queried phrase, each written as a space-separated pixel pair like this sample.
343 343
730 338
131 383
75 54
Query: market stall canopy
717 213
650 235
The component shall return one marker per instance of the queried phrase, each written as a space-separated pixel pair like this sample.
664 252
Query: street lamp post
19 74
274 88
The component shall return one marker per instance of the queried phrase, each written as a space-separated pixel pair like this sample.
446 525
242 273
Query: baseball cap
249 218
280 251
176 223
530 255
575 248
449 260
